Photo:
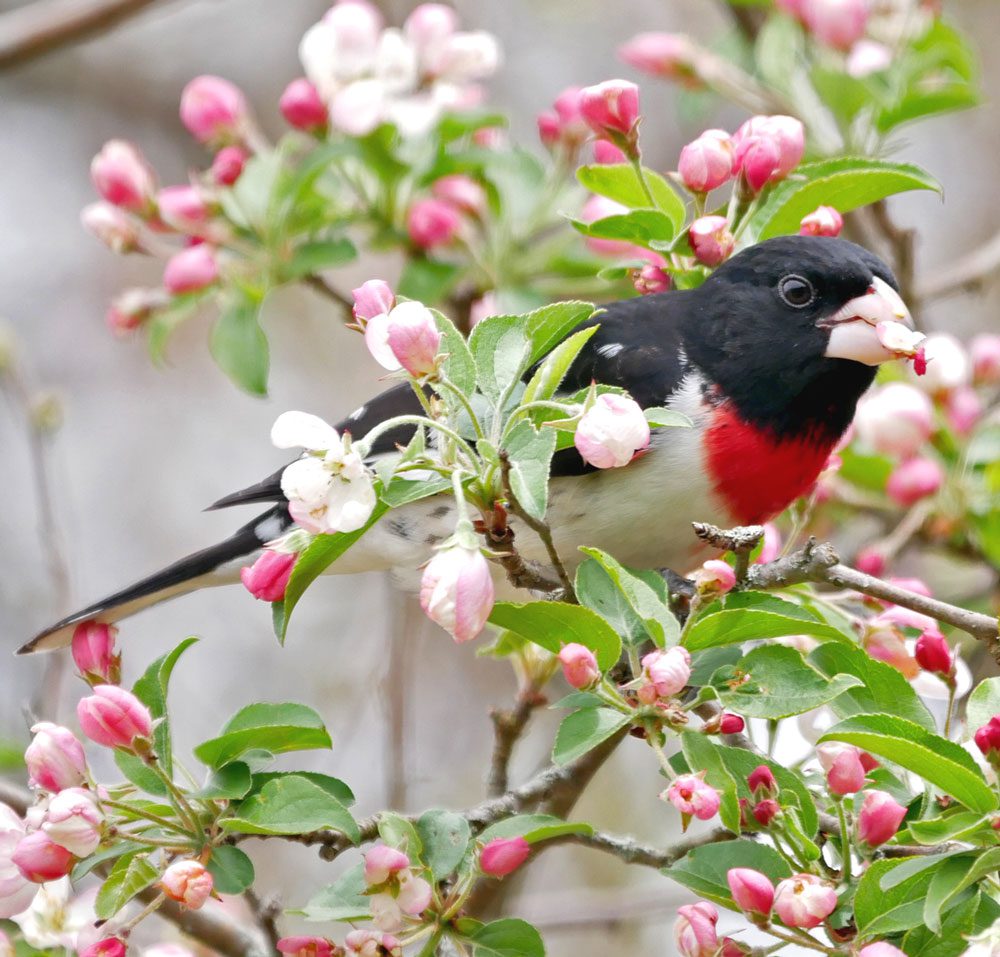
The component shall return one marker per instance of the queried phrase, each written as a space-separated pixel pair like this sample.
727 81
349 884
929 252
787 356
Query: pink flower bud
227 166
40 859
55 758
573 128
730 723
766 811
871 561
123 177
845 774
427 27
692 796
822 221
414 895
883 642
837 23
707 162
114 717
751 890
987 737
579 665
503 855
131 308
650 279
896 420
462 191
456 591
880 949
611 431
373 298
302 107
984 351
185 208
600 207
74 821
111 226
611 107
549 129
607 154
413 338
913 480
214 110
771 547
187 882
694 930
267 578
191 269
667 670
761 781
670 55
879 818
933 654
371 943
715 576
94 652
868 57
382 862
711 241
768 148
963 408
307 947
804 901
108 947
948 365
482 308
432 223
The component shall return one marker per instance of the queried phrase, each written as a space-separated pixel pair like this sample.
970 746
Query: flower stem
845 841
137 815
640 173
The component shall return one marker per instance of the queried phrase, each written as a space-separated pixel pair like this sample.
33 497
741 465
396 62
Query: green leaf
508 937
732 626
131 874
500 349
983 703
239 345
774 681
548 326
530 453
291 804
231 869
703 870
954 824
889 911
331 785
702 755
948 881
844 183
228 783
583 730
445 836
402 490
640 226
547 379
969 917
659 418
657 619
83 867
882 683
927 101
344 900
937 760
534 828
596 589
275 727
778 53
321 552
398 832
428 280
705 663
460 367
553 624
317 255
620 183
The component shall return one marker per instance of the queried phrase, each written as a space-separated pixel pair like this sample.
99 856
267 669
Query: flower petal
377 340
306 481
292 429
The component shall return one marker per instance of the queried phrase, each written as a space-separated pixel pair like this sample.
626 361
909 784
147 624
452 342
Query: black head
757 329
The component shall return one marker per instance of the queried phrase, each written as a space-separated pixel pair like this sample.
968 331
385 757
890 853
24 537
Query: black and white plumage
767 358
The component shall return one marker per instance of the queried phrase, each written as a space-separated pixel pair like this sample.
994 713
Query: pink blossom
383 862
373 298
503 855
413 338
880 949
984 352
870 560
579 665
55 758
428 28
667 670
191 269
123 177
933 653
107 947
913 480
707 162
879 818
987 737
845 774
868 57
40 859
185 208
214 110
267 578
549 129
482 308
822 221
837 23
883 642
611 107
751 890
114 717
650 279
371 943
768 148
111 226
963 408
895 420
307 947
227 166
611 431
74 821
761 779
715 576
16 891
462 191
804 901
692 796
694 930
456 591
93 649
771 547
302 107
669 55
432 223
711 241
948 364
187 882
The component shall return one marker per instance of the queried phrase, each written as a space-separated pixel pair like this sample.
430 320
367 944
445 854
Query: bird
767 358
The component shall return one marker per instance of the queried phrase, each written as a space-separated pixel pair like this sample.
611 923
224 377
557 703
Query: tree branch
320 285
969 272
508 726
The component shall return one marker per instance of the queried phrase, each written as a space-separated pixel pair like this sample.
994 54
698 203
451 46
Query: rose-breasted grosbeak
768 359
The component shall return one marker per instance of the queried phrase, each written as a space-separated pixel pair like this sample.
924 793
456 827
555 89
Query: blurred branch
508 726
969 272
320 285
902 243
46 25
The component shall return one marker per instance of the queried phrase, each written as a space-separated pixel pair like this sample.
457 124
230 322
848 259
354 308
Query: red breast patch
756 474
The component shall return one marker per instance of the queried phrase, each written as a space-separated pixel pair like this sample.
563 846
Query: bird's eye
796 291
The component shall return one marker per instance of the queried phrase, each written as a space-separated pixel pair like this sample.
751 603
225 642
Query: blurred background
136 452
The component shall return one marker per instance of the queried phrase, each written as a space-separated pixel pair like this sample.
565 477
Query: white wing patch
610 350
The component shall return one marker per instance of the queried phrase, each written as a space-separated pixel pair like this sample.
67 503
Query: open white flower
59 918
329 489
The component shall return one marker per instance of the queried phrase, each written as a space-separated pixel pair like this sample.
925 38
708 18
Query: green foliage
131 874
291 804
584 730
275 727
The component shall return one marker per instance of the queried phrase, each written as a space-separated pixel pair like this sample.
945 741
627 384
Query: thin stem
152 906
463 399
651 732
418 420
845 842
951 706
180 802
801 938
144 815
640 173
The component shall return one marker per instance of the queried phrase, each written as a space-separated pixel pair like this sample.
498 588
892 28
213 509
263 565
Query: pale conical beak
860 329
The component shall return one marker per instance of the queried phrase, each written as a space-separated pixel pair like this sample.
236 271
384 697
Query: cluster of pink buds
438 220
764 807
396 892
767 149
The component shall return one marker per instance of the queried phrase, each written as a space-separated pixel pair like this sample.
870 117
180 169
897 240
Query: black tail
210 566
